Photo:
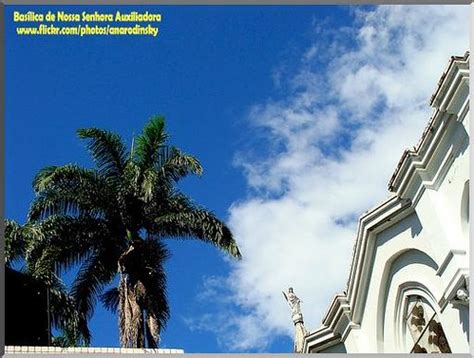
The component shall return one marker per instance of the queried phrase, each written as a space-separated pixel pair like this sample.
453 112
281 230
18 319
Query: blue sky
203 71
272 100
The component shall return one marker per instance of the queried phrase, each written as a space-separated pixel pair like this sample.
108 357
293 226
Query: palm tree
111 220
61 308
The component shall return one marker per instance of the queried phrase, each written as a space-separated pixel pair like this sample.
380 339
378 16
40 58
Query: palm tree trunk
136 324
152 331
131 312
131 322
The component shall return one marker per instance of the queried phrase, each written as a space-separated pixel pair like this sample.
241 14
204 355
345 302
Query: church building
408 287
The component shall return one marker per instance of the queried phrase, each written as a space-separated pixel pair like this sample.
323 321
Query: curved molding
421 258
399 275
404 291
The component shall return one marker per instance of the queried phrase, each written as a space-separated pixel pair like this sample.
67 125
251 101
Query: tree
111 220
62 310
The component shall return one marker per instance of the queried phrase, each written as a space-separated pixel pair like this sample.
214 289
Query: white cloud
332 145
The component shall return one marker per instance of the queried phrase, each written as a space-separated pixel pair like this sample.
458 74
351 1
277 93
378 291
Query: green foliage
111 220
20 243
107 150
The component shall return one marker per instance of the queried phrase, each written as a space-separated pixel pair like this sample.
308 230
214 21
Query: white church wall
412 251
393 244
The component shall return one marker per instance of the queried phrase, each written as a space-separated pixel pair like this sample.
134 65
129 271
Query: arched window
423 330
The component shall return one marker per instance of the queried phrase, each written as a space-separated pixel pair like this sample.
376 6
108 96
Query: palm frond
19 241
63 241
200 224
110 299
43 178
70 190
179 217
96 272
67 176
173 165
107 150
148 144
15 241
177 165
65 316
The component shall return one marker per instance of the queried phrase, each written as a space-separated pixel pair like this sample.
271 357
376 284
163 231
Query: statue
297 316
293 301
462 296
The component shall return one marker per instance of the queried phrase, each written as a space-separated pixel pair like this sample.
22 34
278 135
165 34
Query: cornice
454 84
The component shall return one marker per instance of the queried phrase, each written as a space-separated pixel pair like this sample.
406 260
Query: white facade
408 284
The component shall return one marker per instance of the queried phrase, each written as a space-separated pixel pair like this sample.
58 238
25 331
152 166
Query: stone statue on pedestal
293 301
297 317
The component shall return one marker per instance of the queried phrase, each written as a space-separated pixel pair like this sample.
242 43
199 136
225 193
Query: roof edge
455 65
